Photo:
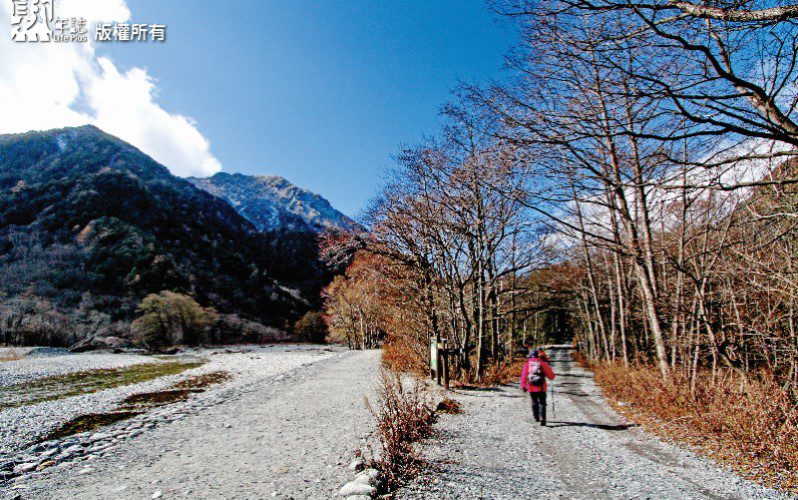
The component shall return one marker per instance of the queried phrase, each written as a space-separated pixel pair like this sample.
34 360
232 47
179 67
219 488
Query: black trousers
539 405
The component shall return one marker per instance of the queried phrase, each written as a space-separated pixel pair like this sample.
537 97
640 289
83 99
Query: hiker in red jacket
533 380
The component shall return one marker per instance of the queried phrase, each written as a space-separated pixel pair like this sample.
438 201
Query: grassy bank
87 382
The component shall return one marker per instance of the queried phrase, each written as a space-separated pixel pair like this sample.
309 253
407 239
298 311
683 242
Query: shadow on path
577 394
574 375
604 427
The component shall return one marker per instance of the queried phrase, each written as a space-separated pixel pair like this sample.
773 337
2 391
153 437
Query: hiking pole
553 407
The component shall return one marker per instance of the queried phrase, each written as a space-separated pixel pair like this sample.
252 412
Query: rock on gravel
354 488
357 464
368 476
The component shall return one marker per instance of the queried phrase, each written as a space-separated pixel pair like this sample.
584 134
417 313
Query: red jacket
547 371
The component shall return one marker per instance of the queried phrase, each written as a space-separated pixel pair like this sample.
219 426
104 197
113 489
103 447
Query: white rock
26 467
370 472
357 464
357 489
370 477
157 494
358 497
85 470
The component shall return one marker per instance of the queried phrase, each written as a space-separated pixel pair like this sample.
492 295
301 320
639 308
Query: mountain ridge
272 203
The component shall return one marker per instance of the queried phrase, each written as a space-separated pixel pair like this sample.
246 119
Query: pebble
357 489
370 477
25 467
357 464
49 453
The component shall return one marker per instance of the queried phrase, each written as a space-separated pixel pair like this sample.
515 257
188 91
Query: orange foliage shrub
506 373
402 356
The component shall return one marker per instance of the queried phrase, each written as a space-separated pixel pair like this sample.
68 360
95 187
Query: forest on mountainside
90 226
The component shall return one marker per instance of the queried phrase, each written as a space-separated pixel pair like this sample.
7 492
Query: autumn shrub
402 356
504 373
750 423
449 406
311 328
170 318
32 320
404 414
233 328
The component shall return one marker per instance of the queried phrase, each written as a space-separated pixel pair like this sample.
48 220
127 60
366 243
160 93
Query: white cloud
50 85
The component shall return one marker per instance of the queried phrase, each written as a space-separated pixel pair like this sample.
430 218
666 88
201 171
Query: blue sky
322 93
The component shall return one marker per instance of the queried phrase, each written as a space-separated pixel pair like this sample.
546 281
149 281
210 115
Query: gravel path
286 427
495 450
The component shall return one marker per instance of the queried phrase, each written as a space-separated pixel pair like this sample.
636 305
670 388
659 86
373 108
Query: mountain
272 203
89 222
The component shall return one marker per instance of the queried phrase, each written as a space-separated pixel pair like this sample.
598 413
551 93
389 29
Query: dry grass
90 422
136 404
506 373
203 381
404 415
449 406
10 355
399 356
749 424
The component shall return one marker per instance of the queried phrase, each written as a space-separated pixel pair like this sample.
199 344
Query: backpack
535 375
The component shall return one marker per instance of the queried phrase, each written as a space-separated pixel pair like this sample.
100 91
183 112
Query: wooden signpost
439 361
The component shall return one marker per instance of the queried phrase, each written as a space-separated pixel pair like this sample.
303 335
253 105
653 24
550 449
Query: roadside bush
170 318
311 328
404 415
401 355
506 373
749 423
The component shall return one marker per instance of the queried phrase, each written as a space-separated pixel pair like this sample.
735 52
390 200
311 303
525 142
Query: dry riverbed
245 422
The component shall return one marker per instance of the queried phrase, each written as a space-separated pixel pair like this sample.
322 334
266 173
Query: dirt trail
495 450
291 438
